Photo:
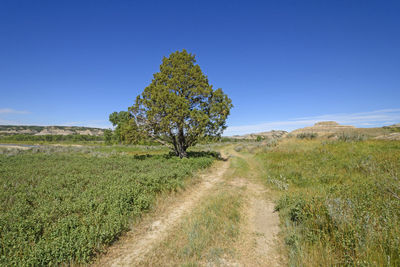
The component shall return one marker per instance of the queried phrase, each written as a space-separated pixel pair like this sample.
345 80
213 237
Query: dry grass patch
206 235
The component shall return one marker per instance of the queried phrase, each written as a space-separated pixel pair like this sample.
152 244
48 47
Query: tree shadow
191 154
146 156
200 154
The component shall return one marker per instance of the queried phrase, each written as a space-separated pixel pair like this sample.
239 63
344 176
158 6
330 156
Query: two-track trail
130 250
258 242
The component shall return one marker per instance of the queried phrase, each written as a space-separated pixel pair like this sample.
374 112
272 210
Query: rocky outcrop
391 136
274 134
49 130
324 128
54 131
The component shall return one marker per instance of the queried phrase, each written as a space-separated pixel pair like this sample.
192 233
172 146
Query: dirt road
258 242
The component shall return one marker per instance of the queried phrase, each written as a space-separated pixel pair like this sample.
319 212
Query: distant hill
264 135
329 129
397 125
325 127
332 129
394 134
49 130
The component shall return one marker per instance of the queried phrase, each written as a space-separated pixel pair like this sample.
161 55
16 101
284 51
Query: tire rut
260 244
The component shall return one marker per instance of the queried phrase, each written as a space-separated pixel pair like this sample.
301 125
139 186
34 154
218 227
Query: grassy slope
66 206
340 200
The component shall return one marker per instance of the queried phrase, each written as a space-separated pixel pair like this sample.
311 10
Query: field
65 205
339 201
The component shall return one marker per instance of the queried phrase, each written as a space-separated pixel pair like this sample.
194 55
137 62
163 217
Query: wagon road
258 244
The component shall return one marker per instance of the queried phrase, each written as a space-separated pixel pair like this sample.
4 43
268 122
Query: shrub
238 148
307 136
346 137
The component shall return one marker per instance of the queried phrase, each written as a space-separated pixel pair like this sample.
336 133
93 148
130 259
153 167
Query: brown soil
259 244
15 147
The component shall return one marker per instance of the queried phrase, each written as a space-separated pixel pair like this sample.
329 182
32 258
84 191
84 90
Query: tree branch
155 138
393 193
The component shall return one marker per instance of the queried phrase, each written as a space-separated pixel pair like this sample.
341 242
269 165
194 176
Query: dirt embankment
325 128
49 130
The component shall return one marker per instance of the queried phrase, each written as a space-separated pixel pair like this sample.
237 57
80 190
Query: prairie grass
61 206
205 237
340 201
239 167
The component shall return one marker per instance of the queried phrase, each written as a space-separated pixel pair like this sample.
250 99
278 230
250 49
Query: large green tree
180 106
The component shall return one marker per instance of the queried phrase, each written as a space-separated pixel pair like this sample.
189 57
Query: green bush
307 136
63 208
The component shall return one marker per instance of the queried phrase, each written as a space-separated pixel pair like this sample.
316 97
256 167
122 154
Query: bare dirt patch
15 147
259 244
265 226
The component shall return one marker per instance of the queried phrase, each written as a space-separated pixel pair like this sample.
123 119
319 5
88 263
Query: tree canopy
180 106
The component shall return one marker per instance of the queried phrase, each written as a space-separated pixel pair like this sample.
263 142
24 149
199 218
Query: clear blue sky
285 64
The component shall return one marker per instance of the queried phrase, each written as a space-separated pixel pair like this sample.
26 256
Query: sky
284 64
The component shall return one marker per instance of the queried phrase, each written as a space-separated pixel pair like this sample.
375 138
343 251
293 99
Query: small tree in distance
125 128
180 106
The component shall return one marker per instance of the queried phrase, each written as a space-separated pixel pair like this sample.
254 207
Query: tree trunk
175 144
181 144
182 152
180 148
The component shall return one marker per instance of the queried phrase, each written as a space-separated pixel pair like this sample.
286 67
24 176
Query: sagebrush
340 201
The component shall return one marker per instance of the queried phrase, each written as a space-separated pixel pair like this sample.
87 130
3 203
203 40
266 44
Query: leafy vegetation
178 109
63 206
340 201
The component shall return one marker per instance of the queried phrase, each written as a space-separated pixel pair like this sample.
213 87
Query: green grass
340 201
133 149
64 207
239 167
